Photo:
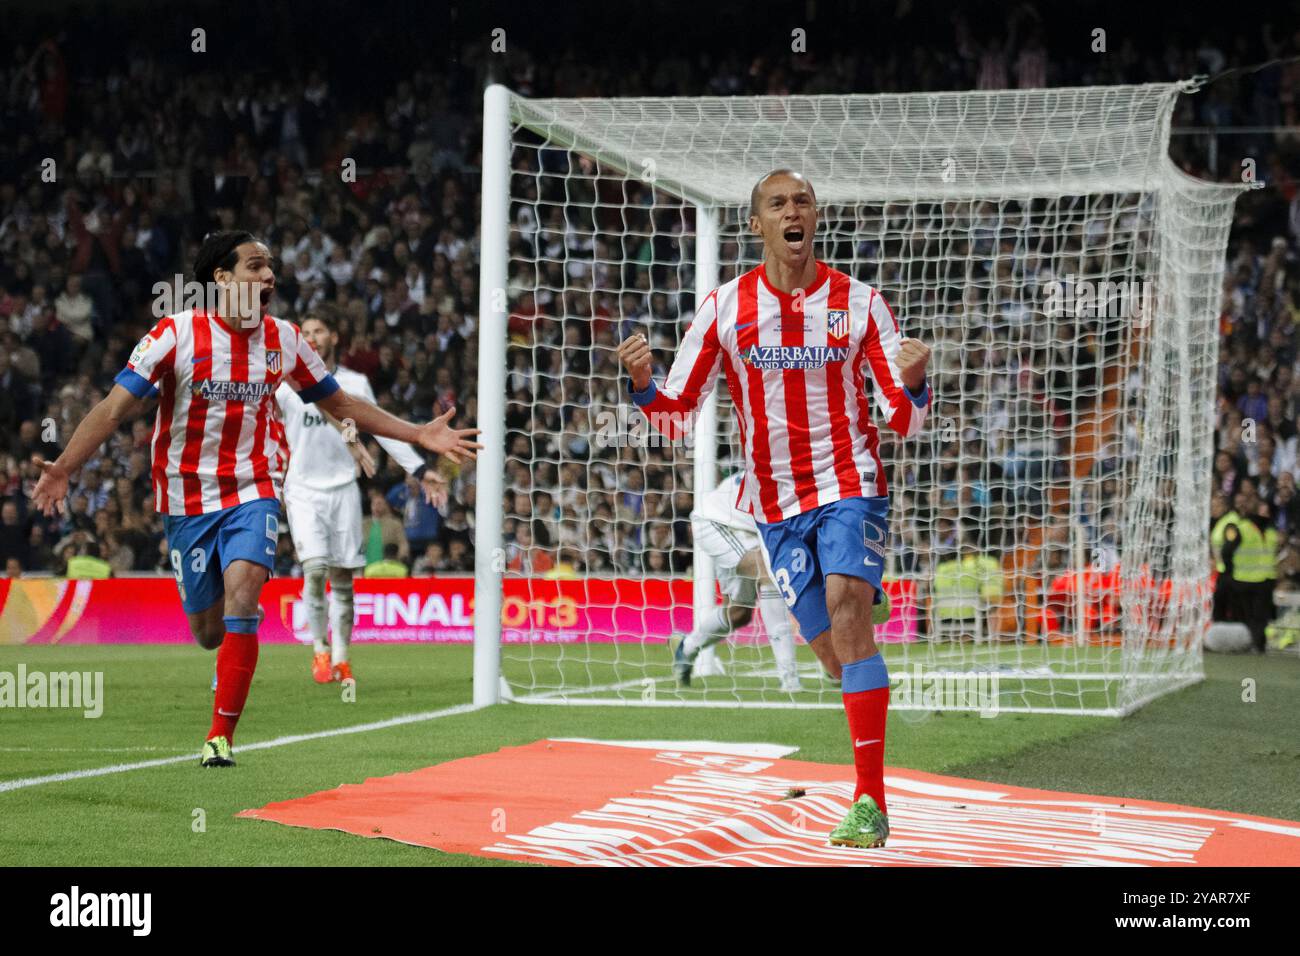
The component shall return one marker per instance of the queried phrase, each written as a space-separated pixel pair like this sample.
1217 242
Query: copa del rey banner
432 610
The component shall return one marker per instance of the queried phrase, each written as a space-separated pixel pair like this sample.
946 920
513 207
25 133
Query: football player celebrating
217 459
805 349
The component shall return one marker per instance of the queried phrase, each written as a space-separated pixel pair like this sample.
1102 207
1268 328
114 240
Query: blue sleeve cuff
644 397
920 401
135 383
322 389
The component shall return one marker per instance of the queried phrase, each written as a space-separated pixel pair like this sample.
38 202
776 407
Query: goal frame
489 686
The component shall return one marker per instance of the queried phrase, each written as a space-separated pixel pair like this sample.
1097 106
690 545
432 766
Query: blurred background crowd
122 147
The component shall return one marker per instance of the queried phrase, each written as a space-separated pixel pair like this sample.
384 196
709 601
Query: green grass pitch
1202 746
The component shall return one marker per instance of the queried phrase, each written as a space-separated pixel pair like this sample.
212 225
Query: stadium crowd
111 173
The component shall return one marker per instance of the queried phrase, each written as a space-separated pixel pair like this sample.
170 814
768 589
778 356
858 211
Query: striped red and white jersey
218 441
799 374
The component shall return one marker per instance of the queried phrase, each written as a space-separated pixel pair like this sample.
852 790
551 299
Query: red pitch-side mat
683 803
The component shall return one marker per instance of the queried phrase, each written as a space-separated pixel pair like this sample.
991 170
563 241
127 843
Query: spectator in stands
85 562
382 529
421 521
458 556
388 567
76 312
965 588
432 561
14 535
396 251
39 553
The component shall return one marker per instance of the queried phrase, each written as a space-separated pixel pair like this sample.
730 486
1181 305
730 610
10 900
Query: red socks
866 702
236 661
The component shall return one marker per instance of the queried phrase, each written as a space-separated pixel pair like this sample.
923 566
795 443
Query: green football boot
216 753
864 826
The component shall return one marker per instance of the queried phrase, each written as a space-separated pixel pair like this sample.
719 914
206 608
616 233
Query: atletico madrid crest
837 323
273 362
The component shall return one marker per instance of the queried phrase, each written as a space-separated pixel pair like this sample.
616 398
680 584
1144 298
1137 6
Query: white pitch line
87 750
7 785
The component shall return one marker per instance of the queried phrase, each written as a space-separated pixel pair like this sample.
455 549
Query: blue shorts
843 537
202 546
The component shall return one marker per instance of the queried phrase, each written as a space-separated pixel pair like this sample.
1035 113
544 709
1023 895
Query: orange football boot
320 668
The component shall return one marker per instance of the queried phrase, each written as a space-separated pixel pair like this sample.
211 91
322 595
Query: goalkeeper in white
323 501
730 537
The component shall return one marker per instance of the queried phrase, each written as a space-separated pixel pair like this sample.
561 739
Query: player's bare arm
436 436
117 408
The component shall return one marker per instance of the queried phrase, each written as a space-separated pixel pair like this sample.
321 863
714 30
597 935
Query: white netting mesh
1048 524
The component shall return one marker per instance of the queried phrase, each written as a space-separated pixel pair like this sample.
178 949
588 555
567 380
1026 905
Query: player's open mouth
794 238
265 295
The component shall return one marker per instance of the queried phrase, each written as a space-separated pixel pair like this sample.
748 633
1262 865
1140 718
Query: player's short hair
779 171
325 317
218 252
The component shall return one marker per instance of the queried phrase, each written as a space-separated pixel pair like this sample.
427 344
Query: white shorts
326 524
727 546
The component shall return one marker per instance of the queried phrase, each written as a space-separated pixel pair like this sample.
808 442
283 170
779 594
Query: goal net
1048 548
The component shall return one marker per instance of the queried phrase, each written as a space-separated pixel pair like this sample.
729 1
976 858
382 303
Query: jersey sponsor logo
793 356
215 391
837 322
273 362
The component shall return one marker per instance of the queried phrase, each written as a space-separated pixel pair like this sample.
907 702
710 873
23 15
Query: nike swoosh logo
746 325
868 562
201 358
863 743
226 713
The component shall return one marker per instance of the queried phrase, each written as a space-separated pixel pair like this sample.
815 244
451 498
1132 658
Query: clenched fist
634 352
913 357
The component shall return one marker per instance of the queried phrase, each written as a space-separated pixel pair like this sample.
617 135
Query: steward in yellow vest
88 567
1246 551
389 567
964 583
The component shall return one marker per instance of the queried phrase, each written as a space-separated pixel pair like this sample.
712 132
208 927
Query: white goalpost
1048 528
